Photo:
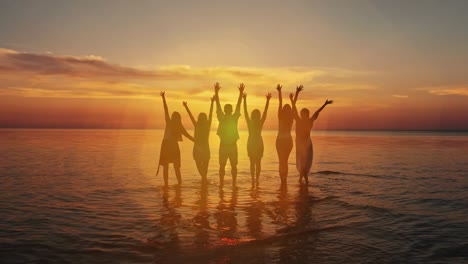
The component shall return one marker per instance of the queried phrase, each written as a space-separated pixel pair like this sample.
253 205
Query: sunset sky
101 64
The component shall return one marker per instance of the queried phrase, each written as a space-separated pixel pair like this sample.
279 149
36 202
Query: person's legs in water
280 159
166 173
252 171
234 174
202 167
177 172
233 161
223 156
283 148
199 164
221 174
258 168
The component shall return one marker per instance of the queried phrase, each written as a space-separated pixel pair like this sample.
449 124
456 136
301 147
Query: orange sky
46 90
402 67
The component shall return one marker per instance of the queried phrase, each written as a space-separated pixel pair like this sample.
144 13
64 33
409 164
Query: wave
329 172
231 245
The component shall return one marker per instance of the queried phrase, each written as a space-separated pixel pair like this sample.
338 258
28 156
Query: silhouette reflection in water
255 140
228 134
201 147
201 219
304 148
254 215
300 228
226 220
170 152
171 218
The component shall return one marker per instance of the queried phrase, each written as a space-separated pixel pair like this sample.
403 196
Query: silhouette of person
170 152
304 148
284 141
201 147
228 134
255 140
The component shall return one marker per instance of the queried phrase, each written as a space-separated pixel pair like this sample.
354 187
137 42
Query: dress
201 146
304 149
255 140
170 152
284 142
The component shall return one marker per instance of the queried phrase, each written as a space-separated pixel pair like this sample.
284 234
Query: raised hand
162 94
268 96
184 103
328 102
291 96
217 87
278 87
299 88
244 95
213 98
241 87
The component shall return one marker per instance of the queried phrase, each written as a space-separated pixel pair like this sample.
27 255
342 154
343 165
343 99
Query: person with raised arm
304 147
284 141
170 152
228 134
201 147
255 140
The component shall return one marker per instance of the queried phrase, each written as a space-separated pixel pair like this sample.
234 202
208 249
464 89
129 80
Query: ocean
92 196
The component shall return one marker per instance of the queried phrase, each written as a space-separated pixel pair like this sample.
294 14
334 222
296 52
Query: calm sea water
91 196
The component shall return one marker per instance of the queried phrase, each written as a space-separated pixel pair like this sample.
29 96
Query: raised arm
299 89
293 104
210 117
294 100
166 110
268 97
246 112
219 112
189 113
239 100
316 114
185 133
280 98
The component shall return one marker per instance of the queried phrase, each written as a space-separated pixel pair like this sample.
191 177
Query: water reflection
240 220
303 212
281 210
201 220
300 227
226 221
254 215
171 218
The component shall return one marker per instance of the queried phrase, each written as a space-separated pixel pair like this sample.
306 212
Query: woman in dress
284 142
255 140
170 152
201 147
304 148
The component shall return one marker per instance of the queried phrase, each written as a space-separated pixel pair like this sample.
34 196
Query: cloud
48 64
50 75
400 96
463 91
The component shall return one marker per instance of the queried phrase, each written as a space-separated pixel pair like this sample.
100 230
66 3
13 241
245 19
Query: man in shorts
228 134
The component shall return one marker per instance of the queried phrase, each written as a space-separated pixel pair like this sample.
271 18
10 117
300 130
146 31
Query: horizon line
265 129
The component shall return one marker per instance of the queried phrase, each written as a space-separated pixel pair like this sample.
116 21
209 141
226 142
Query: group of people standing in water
229 135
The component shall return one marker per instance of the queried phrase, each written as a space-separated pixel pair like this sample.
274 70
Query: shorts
228 151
